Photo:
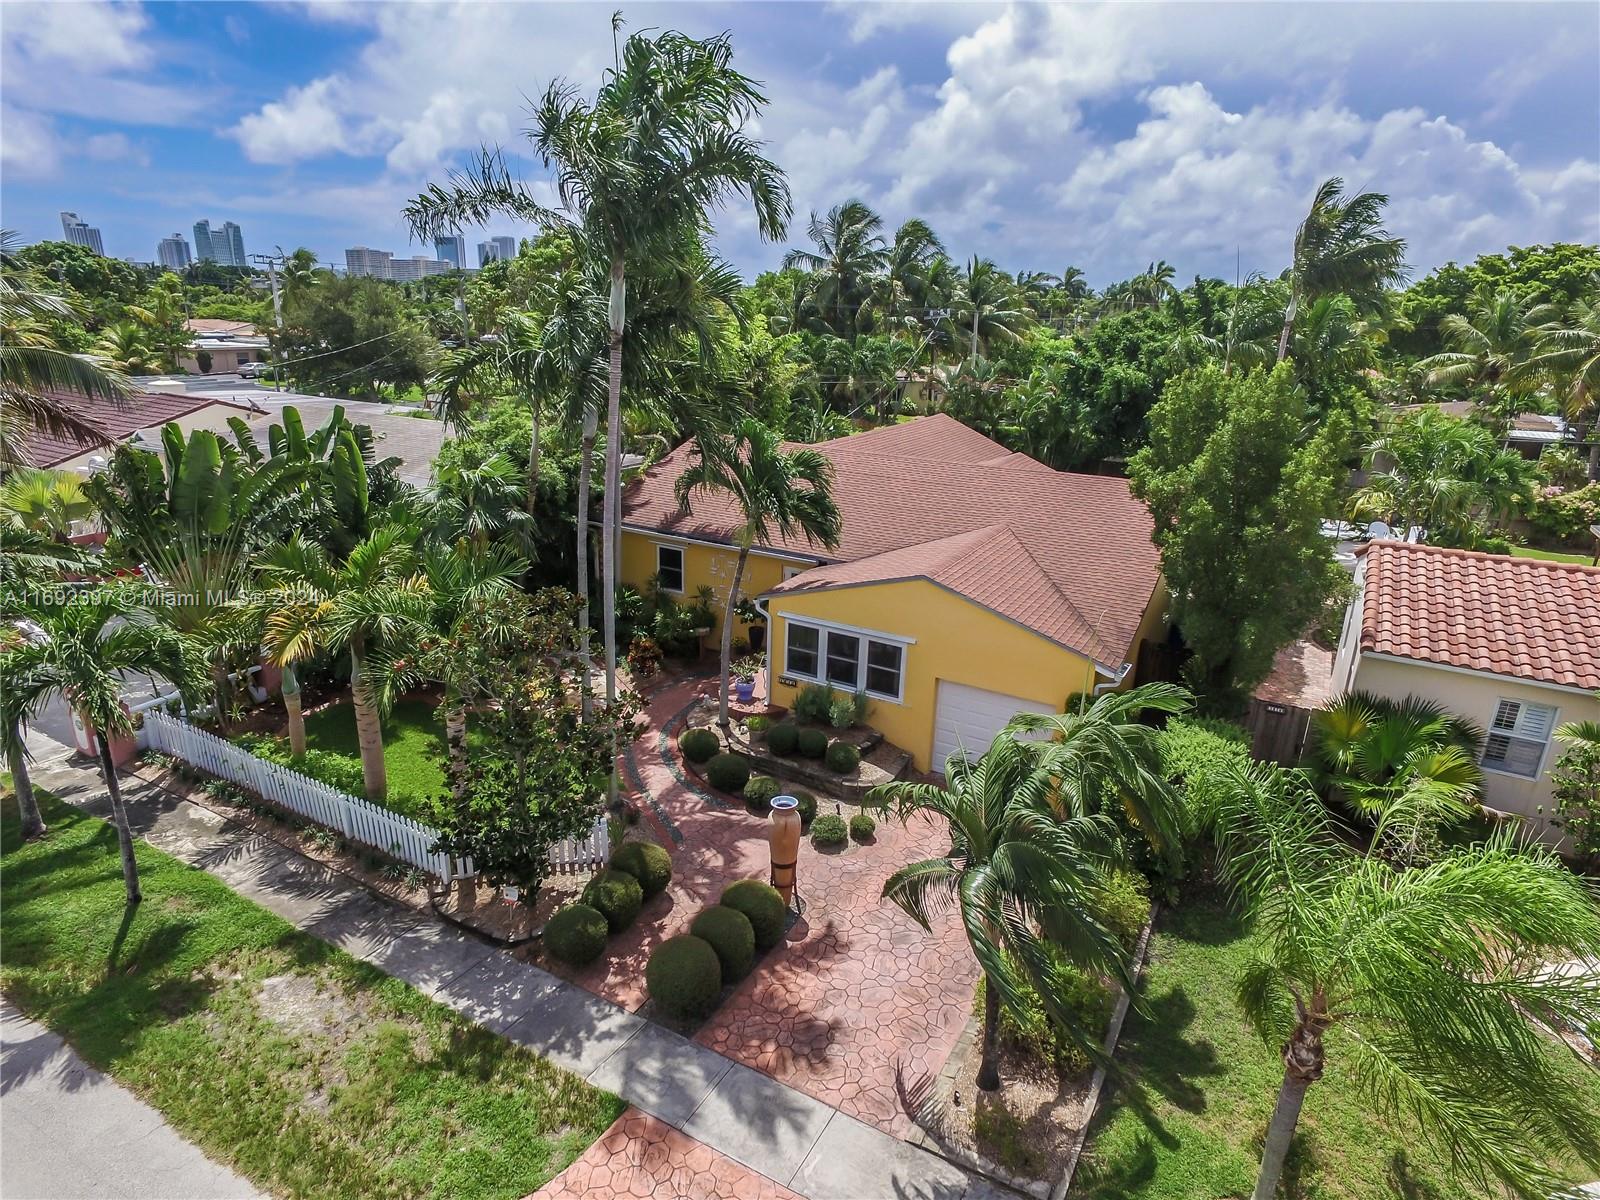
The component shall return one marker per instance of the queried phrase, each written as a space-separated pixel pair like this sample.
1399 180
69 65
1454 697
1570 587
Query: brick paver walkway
860 1005
641 1156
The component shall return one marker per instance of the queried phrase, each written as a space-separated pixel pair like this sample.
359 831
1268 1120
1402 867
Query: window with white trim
669 567
791 572
851 662
1518 737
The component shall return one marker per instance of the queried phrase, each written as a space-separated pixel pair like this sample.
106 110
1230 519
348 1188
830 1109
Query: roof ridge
1543 564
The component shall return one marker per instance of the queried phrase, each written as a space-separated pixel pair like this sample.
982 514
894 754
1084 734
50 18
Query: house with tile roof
970 582
1512 644
138 418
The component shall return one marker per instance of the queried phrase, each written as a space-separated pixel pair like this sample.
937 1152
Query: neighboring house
227 346
1512 644
970 583
138 419
1530 433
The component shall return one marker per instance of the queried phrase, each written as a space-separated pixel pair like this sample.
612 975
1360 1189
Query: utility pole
272 261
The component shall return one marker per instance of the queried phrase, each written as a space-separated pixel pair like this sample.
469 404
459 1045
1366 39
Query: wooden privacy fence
358 820
1277 731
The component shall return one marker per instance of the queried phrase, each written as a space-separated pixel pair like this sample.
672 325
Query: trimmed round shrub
813 743
758 793
728 772
576 935
761 903
843 757
617 895
783 737
684 976
828 830
807 808
646 862
862 827
732 936
698 745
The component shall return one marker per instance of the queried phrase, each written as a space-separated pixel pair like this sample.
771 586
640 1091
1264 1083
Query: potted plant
747 611
744 675
702 612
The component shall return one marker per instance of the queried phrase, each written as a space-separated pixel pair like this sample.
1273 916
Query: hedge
763 905
731 935
684 976
1193 751
617 895
576 935
698 745
728 772
783 737
646 862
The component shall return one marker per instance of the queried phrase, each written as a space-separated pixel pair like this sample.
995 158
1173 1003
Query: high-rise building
173 252
417 267
496 248
452 249
81 233
224 246
359 260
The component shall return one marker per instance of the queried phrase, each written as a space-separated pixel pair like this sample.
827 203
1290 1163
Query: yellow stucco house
970 582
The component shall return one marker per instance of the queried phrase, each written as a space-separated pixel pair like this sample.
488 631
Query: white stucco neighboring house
1511 644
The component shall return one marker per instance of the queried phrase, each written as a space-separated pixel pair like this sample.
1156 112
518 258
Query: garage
967 718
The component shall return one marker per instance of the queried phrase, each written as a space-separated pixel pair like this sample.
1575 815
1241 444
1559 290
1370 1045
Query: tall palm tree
37 374
850 254
659 146
986 307
1410 766
1424 985
1154 285
904 280
1342 246
779 494
1569 356
1025 880
85 650
1492 353
374 604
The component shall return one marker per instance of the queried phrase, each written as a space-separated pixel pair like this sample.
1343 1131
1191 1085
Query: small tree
1238 492
541 773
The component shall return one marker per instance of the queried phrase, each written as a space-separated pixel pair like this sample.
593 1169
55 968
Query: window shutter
1535 721
1506 713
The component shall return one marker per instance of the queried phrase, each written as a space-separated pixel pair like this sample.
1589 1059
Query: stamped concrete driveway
68 1132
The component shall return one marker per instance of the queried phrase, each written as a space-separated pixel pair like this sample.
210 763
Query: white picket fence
358 820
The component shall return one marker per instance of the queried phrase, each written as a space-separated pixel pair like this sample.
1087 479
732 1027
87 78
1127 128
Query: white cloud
96 35
28 144
115 147
304 124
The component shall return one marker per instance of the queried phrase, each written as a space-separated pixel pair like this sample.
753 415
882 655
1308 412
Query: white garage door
967 718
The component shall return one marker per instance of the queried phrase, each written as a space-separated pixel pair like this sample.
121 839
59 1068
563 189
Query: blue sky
1103 136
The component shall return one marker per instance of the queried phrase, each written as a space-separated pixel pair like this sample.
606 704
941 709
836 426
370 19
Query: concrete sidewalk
773 1129
67 1131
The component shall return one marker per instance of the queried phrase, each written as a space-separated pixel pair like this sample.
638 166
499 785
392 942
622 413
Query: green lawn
413 749
1187 1119
311 1073
1554 555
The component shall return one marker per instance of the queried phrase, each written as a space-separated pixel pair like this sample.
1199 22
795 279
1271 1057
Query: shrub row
686 974
1194 750
609 904
341 771
787 738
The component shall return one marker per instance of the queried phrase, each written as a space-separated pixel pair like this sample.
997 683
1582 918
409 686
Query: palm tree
46 502
1424 984
1569 355
779 494
1342 246
370 604
35 370
125 346
1026 881
84 652
635 169
1409 765
478 499
986 306
1492 352
850 255
1154 285
904 280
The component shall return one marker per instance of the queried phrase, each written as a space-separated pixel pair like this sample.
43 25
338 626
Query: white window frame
790 572
864 638
1519 731
683 567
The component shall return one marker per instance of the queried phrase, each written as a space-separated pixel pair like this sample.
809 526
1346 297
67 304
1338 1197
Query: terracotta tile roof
119 421
1068 556
1528 618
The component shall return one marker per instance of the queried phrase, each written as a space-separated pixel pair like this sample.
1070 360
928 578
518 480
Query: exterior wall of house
948 638
1152 627
1475 695
703 566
